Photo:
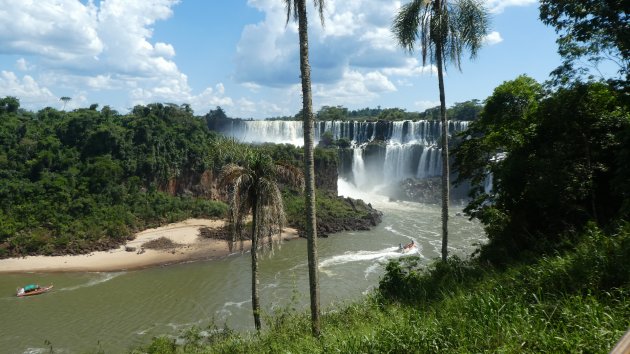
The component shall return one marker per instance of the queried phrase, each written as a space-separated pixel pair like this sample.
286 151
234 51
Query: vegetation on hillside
71 182
557 160
468 110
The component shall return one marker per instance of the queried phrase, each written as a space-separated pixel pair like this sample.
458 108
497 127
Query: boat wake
101 278
377 258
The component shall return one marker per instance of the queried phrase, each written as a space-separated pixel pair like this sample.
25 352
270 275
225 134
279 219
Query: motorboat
33 289
407 248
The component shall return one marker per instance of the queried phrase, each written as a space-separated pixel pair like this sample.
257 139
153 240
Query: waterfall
277 132
400 161
358 167
410 148
397 133
430 164
487 183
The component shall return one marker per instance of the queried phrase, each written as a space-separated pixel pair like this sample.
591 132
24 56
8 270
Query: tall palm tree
445 29
297 9
254 189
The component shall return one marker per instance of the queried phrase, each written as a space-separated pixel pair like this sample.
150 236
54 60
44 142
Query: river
117 311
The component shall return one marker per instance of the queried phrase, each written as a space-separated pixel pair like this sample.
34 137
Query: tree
65 100
595 30
444 29
328 113
297 8
468 110
9 104
254 188
562 174
504 125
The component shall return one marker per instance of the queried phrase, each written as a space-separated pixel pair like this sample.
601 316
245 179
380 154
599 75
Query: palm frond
473 22
229 173
406 24
290 174
320 5
253 188
292 9
452 26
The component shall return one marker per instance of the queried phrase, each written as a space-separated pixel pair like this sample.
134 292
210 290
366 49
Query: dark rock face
202 185
345 163
383 130
326 175
428 190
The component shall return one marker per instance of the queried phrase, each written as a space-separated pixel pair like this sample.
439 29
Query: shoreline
185 234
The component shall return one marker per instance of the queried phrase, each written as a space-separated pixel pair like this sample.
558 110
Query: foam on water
365 256
102 277
236 304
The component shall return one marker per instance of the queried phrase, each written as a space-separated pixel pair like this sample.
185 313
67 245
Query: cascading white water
487 183
277 132
430 164
410 150
358 168
399 161
397 132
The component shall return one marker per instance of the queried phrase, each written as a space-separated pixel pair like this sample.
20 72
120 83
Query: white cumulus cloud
30 93
497 6
492 38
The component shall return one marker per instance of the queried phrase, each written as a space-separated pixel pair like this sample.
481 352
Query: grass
575 302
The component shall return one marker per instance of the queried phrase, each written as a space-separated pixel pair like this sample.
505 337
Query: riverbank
176 243
573 301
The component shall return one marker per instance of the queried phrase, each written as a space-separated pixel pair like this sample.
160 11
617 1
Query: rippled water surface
116 311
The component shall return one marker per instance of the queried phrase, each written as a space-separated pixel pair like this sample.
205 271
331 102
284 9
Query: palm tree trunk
445 166
254 252
309 167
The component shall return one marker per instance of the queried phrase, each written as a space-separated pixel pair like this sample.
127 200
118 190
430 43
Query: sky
241 55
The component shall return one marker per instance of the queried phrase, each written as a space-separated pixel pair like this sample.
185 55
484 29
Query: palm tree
254 188
297 9
65 100
444 29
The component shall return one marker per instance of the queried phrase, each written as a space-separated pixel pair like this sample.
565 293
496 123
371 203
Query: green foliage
396 114
330 209
466 111
594 30
327 113
9 104
505 121
75 181
557 162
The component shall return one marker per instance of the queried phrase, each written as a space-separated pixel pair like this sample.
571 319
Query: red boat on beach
33 289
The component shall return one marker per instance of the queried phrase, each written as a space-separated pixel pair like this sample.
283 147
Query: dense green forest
83 180
468 110
74 182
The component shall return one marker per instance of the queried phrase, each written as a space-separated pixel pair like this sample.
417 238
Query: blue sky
239 55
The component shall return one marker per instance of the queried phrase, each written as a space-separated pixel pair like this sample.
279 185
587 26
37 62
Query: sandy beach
133 255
